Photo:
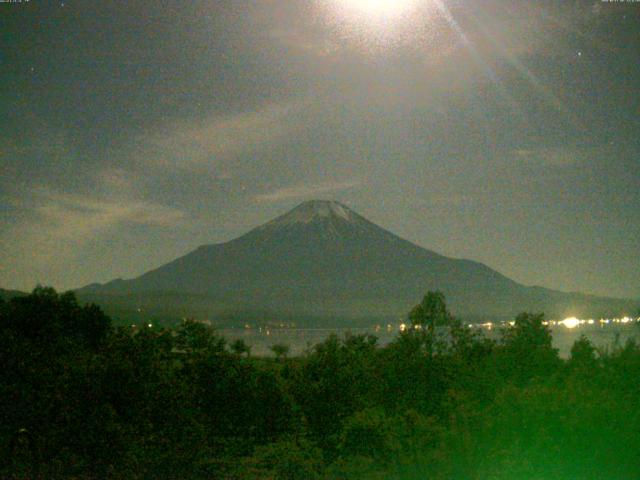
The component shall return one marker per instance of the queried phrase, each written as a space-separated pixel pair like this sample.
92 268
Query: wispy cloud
297 38
71 216
523 152
213 140
304 191
56 226
558 157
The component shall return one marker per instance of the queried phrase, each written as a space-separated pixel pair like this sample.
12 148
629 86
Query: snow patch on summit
310 211
324 218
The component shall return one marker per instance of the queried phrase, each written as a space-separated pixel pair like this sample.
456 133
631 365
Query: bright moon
381 8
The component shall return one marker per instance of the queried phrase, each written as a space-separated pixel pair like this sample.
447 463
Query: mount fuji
322 260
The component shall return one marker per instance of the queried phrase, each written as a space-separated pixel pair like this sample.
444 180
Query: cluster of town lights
573 322
570 323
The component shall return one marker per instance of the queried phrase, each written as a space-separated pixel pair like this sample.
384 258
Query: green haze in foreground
81 399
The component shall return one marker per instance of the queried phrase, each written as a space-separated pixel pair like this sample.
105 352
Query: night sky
507 132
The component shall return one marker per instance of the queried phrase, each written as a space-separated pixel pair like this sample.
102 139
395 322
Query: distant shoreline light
571 322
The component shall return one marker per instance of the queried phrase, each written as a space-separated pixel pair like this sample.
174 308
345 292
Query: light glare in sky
381 8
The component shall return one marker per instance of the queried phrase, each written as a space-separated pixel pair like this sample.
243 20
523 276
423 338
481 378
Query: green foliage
583 354
240 347
280 350
79 399
431 312
332 383
45 315
195 337
288 459
370 433
527 349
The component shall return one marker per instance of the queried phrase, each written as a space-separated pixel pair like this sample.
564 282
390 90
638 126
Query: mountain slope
323 259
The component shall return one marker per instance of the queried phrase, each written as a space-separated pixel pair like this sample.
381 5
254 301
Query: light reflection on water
604 334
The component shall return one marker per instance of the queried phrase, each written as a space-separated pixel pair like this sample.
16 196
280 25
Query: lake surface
603 335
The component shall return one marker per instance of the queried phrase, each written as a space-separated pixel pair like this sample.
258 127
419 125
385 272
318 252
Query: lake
603 333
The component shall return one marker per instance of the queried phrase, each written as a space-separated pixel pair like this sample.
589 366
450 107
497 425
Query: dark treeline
81 399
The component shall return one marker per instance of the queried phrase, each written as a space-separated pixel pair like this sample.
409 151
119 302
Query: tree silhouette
528 347
196 337
431 312
280 350
583 354
240 347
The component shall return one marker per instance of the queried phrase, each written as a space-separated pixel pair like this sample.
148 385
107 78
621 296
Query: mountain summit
313 210
322 259
315 220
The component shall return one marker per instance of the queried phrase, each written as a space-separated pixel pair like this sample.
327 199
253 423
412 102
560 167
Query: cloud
56 226
52 233
523 152
299 39
72 216
552 157
215 139
304 191
117 180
